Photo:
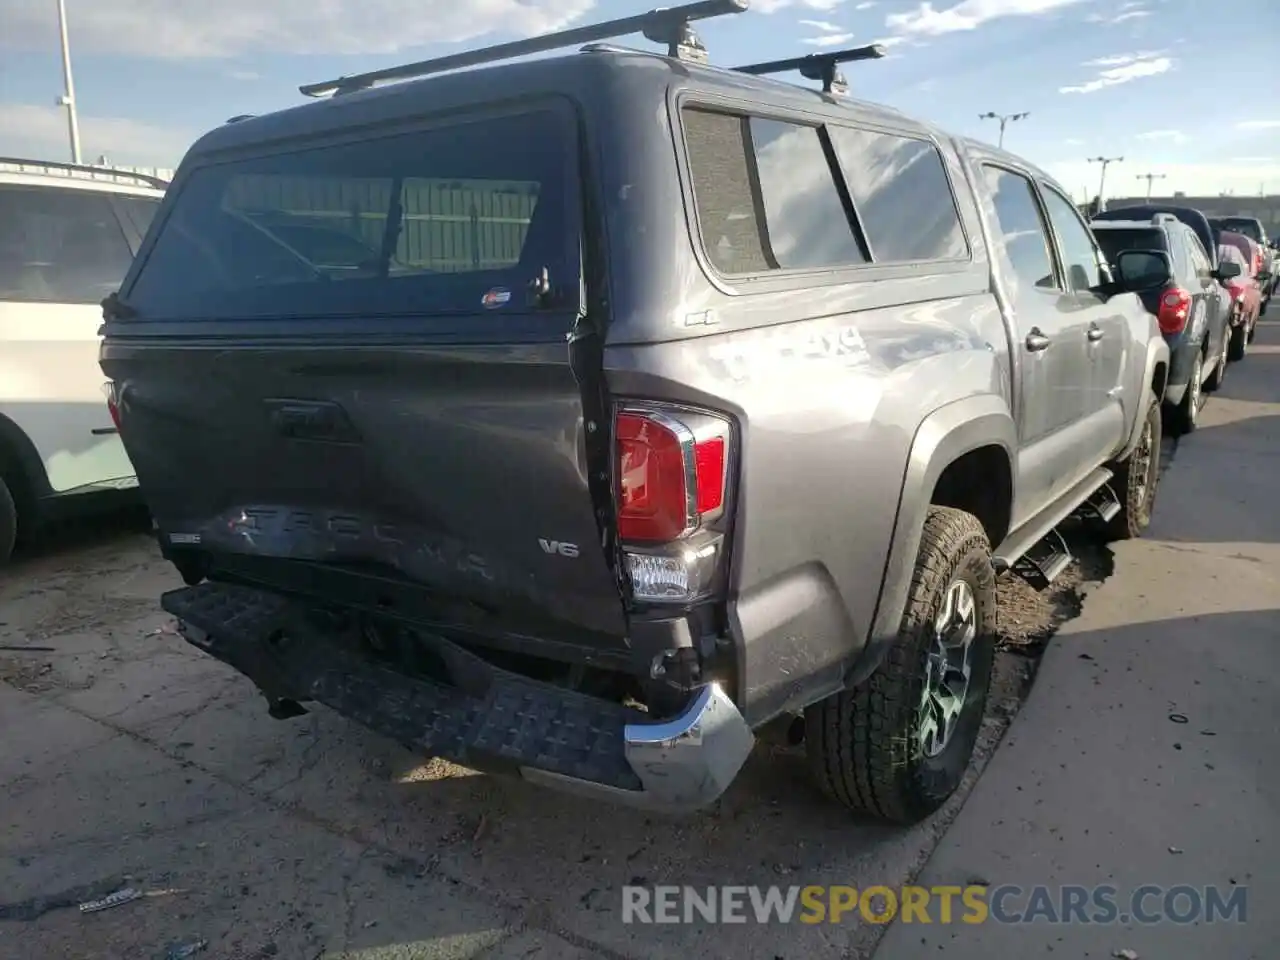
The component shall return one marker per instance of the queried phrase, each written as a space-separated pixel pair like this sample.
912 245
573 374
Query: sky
1157 82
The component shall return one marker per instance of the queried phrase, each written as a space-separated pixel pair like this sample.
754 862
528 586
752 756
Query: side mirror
1143 269
1227 270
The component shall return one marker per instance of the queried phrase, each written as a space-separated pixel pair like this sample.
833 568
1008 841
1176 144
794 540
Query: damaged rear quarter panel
826 409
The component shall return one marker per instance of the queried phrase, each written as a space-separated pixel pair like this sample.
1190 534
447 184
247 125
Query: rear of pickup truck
360 379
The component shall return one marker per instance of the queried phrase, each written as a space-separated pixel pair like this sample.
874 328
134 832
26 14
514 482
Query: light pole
1102 181
68 99
1149 177
1005 119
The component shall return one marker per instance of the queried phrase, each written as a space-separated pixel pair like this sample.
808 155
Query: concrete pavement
1145 753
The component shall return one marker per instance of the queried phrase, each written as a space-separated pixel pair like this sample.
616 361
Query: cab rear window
59 245
1116 241
1247 227
450 220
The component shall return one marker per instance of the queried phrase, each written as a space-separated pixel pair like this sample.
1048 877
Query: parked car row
67 235
1202 282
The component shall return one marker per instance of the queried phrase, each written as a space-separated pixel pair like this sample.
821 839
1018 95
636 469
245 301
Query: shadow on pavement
91 529
1135 761
1225 471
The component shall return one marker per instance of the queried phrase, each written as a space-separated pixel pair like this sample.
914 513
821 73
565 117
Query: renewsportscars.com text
973 904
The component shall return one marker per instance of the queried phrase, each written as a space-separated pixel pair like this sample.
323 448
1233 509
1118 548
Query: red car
1246 292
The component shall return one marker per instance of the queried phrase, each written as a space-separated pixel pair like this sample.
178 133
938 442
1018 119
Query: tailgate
354 354
460 470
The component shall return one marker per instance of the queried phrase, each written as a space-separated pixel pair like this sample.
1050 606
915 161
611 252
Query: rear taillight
673 468
113 402
1175 307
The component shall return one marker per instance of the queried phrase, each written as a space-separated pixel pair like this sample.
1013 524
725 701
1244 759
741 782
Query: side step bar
1037 552
1101 507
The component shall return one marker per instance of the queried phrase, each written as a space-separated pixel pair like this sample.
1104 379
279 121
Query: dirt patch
32 675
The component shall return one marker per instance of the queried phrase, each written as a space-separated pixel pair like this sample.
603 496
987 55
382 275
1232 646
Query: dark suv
674 400
1164 258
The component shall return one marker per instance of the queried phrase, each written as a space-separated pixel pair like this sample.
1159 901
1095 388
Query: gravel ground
144 763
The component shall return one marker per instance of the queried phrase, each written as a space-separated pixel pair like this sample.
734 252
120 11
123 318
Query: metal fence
448 225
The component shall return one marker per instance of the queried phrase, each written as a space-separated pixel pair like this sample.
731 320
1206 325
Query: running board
1044 562
1037 552
1102 506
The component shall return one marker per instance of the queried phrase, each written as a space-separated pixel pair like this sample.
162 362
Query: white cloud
1118 70
184 28
1174 136
968 14
829 39
773 6
866 5
1253 160
1124 58
1258 125
1073 142
1126 11
40 133
825 26
245 75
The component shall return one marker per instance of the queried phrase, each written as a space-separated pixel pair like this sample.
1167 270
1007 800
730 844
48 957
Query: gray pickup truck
575 418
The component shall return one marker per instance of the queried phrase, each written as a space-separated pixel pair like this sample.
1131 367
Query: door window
1200 264
1081 260
1020 229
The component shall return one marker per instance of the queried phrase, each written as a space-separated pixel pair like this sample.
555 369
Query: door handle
1037 341
1095 333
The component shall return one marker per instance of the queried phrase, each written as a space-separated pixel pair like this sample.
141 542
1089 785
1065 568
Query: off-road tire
1238 345
1136 499
8 523
863 743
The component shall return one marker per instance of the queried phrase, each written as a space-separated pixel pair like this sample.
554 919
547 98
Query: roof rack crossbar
146 179
668 25
824 67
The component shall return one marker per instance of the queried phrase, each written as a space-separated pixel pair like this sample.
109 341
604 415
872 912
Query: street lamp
1005 119
1102 181
68 99
1149 177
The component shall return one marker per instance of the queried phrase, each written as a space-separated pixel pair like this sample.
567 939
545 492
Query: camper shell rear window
458 218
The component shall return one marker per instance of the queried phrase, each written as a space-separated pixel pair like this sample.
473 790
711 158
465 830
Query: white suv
67 235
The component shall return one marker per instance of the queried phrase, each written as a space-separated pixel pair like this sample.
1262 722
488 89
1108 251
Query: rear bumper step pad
501 721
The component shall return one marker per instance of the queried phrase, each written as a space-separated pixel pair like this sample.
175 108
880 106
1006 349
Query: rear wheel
8 522
1238 346
1219 374
898 745
1186 415
1136 479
